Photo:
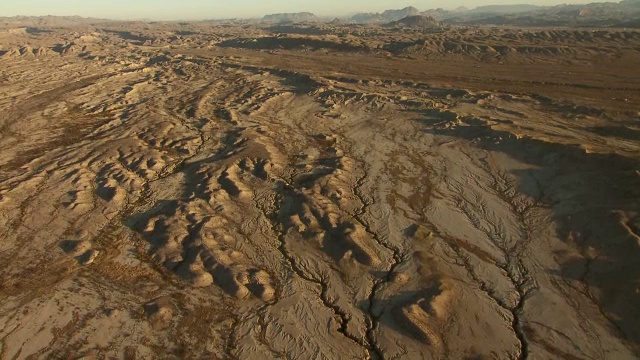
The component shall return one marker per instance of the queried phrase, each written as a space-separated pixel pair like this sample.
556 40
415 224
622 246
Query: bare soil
252 191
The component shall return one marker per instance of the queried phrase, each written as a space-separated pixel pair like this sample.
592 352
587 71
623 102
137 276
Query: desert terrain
325 190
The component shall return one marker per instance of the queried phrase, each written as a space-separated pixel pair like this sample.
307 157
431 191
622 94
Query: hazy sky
215 9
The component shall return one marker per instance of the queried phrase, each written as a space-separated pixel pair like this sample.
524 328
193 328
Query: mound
27 51
11 53
43 51
71 49
17 31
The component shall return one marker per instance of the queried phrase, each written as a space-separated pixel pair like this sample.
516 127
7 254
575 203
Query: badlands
324 190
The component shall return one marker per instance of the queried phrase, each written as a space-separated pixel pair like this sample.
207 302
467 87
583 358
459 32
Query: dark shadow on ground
126 35
292 29
36 31
289 43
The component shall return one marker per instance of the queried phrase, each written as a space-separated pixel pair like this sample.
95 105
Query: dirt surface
246 191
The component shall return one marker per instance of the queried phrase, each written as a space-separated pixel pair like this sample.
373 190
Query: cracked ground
172 196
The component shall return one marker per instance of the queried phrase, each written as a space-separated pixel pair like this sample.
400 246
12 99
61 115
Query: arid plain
238 190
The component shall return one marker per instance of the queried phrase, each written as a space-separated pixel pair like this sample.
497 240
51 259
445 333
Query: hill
418 21
386 16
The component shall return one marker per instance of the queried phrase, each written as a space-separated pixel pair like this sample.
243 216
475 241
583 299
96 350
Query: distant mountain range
290 17
505 9
395 15
49 20
624 13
